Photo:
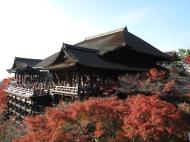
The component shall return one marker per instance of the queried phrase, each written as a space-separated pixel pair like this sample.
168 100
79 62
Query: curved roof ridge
105 34
26 58
79 48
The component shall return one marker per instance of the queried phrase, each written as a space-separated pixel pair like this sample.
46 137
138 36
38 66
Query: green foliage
183 52
187 52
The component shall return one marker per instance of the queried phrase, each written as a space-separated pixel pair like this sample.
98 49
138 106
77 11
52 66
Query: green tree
182 52
188 52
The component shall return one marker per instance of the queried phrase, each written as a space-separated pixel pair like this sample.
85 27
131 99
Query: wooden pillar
79 84
79 79
90 83
20 77
32 77
23 77
38 77
90 77
69 78
103 79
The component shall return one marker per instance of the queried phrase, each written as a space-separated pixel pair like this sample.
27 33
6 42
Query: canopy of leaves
139 118
3 96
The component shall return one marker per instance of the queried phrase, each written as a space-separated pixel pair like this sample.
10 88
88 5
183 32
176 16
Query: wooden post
69 79
18 76
39 76
79 79
25 104
90 77
79 83
21 78
103 79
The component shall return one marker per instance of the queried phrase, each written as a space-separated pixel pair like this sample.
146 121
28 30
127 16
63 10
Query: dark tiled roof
27 61
120 38
48 61
139 45
105 42
84 52
90 58
23 63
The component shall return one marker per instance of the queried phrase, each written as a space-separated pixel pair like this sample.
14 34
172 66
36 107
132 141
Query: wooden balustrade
62 90
19 91
21 102
74 91
65 90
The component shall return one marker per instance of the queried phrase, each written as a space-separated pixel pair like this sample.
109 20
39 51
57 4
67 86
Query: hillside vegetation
151 107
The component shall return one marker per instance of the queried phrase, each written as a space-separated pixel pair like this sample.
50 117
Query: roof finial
63 46
125 28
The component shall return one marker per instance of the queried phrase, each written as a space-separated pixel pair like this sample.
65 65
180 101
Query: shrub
156 74
187 59
169 86
151 119
139 118
129 84
185 108
3 101
3 96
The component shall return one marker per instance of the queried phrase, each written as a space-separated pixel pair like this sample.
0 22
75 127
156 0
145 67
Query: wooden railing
65 90
60 90
74 91
19 91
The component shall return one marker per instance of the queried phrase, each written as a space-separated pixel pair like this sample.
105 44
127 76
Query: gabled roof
120 38
23 63
47 61
89 58
89 51
27 61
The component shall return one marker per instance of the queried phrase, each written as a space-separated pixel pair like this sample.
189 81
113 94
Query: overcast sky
37 28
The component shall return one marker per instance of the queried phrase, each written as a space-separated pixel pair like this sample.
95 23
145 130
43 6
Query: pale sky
37 28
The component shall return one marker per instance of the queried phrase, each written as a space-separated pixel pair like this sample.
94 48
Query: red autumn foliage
3 95
187 59
3 101
151 119
169 86
156 74
139 118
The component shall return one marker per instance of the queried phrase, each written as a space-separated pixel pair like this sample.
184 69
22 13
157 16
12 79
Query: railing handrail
65 90
75 87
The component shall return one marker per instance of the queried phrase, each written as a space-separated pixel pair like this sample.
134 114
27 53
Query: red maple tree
139 118
3 95
156 74
187 59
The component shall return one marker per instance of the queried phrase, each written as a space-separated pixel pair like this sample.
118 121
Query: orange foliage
187 59
169 86
3 101
151 119
155 74
3 95
142 118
